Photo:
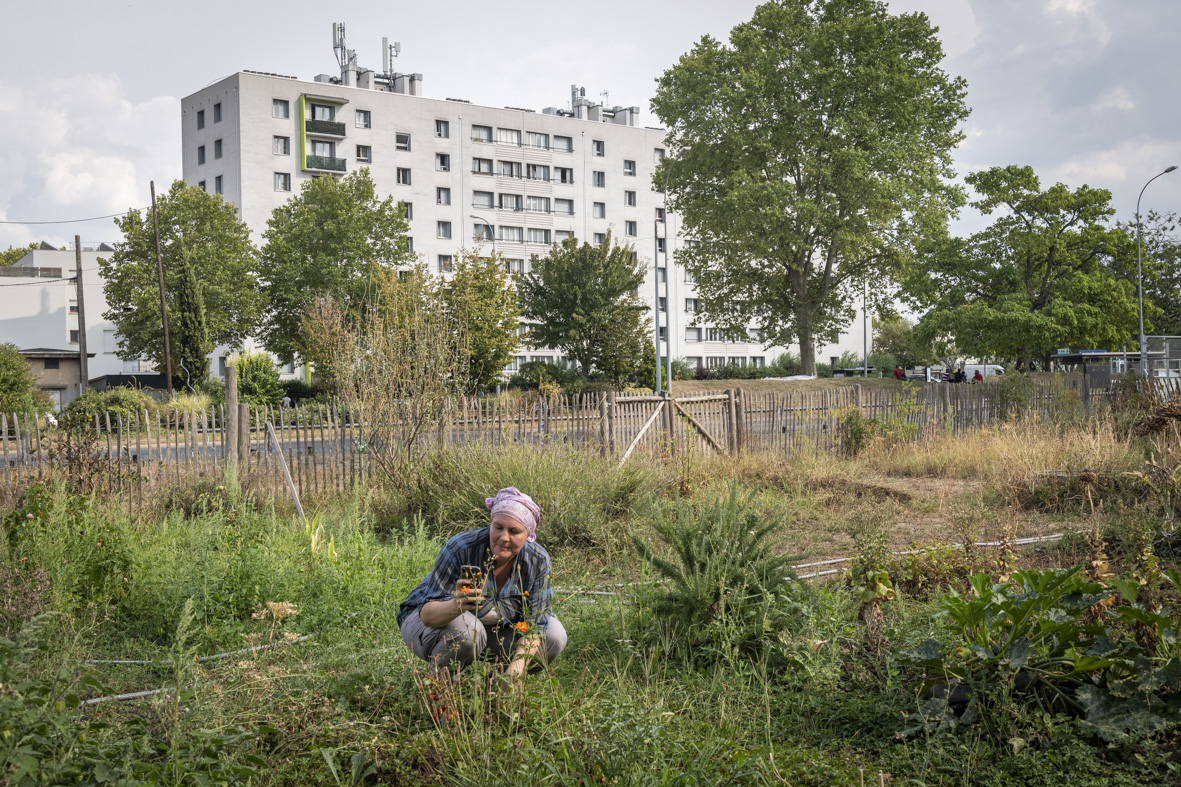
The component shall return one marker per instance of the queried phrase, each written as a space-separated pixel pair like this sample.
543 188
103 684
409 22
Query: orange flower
521 627
525 593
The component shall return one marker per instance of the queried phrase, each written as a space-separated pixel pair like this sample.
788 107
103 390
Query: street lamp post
491 230
1140 279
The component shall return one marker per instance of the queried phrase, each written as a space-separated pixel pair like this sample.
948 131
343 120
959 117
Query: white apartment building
513 178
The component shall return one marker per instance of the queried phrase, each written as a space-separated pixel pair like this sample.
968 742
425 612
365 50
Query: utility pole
83 368
163 303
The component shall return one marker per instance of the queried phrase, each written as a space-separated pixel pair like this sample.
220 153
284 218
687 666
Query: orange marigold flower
521 627
524 592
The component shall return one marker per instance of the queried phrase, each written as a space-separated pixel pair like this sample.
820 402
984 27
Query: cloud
79 147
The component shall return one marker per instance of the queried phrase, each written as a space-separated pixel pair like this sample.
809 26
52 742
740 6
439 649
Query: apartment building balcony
325 164
325 128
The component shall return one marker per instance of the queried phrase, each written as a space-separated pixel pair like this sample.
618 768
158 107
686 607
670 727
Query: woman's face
506 537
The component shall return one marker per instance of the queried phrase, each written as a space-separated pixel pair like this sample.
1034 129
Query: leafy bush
258 380
18 390
114 402
298 390
536 373
727 592
1049 637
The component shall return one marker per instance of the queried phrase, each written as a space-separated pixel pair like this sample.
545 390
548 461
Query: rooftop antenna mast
388 53
345 57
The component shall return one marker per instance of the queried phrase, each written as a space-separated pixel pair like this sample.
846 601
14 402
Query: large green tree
894 335
18 389
326 241
581 299
1035 280
1161 261
481 296
206 231
813 151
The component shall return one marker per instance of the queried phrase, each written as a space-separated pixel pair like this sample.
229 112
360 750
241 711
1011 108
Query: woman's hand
469 601
438 614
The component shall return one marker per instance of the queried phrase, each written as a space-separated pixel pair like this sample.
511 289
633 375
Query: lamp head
1170 169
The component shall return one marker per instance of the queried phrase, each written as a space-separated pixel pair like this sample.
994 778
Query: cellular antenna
345 57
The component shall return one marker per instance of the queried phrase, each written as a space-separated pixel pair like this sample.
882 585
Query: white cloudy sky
1085 91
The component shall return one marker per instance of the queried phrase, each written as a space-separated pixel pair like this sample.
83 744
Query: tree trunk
807 347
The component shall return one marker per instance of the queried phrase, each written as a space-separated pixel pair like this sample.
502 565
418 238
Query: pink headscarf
519 506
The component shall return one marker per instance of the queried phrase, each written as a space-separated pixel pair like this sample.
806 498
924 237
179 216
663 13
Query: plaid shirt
527 595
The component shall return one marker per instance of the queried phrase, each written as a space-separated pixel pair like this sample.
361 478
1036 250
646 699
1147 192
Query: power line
77 221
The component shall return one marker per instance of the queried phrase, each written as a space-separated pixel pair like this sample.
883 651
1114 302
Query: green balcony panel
325 162
325 127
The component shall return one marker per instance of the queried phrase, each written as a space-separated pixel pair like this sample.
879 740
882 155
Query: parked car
986 370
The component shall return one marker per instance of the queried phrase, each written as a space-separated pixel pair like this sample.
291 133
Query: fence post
1085 392
603 429
670 422
731 432
230 424
739 420
244 434
857 398
611 422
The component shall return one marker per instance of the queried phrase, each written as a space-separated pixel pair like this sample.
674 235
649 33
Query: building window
510 202
364 119
629 228
600 238
660 214
442 129
442 196
600 180
561 235
660 245
715 361
598 148
444 228
693 335
509 169
564 144
564 206
481 133
512 234
324 112
662 275
323 149
217 112
564 174
73 307
280 108
281 146
445 265
481 166
657 155
537 204
442 162
482 199
282 181
755 335
201 185
662 303
690 277
714 335
200 154
629 199
200 119
737 360
217 148
691 305
407 210
758 361
217 185
514 266
537 172
73 337
482 231
629 168
539 236
52 364
403 176
694 361
364 154
599 210
663 333
535 140
402 141
508 136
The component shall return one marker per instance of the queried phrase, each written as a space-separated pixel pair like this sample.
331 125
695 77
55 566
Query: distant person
961 376
897 372
946 376
286 402
978 377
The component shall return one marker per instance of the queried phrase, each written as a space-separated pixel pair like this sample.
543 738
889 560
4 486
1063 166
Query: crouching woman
488 596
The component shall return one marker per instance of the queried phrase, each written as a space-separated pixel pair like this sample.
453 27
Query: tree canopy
327 240
895 336
481 296
1161 262
18 391
14 253
812 152
1036 280
203 230
581 299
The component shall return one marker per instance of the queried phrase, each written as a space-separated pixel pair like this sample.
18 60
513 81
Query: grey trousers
465 639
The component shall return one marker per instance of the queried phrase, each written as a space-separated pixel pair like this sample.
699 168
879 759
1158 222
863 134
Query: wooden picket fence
322 450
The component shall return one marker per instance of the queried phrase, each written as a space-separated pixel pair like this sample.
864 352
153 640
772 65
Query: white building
467 173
